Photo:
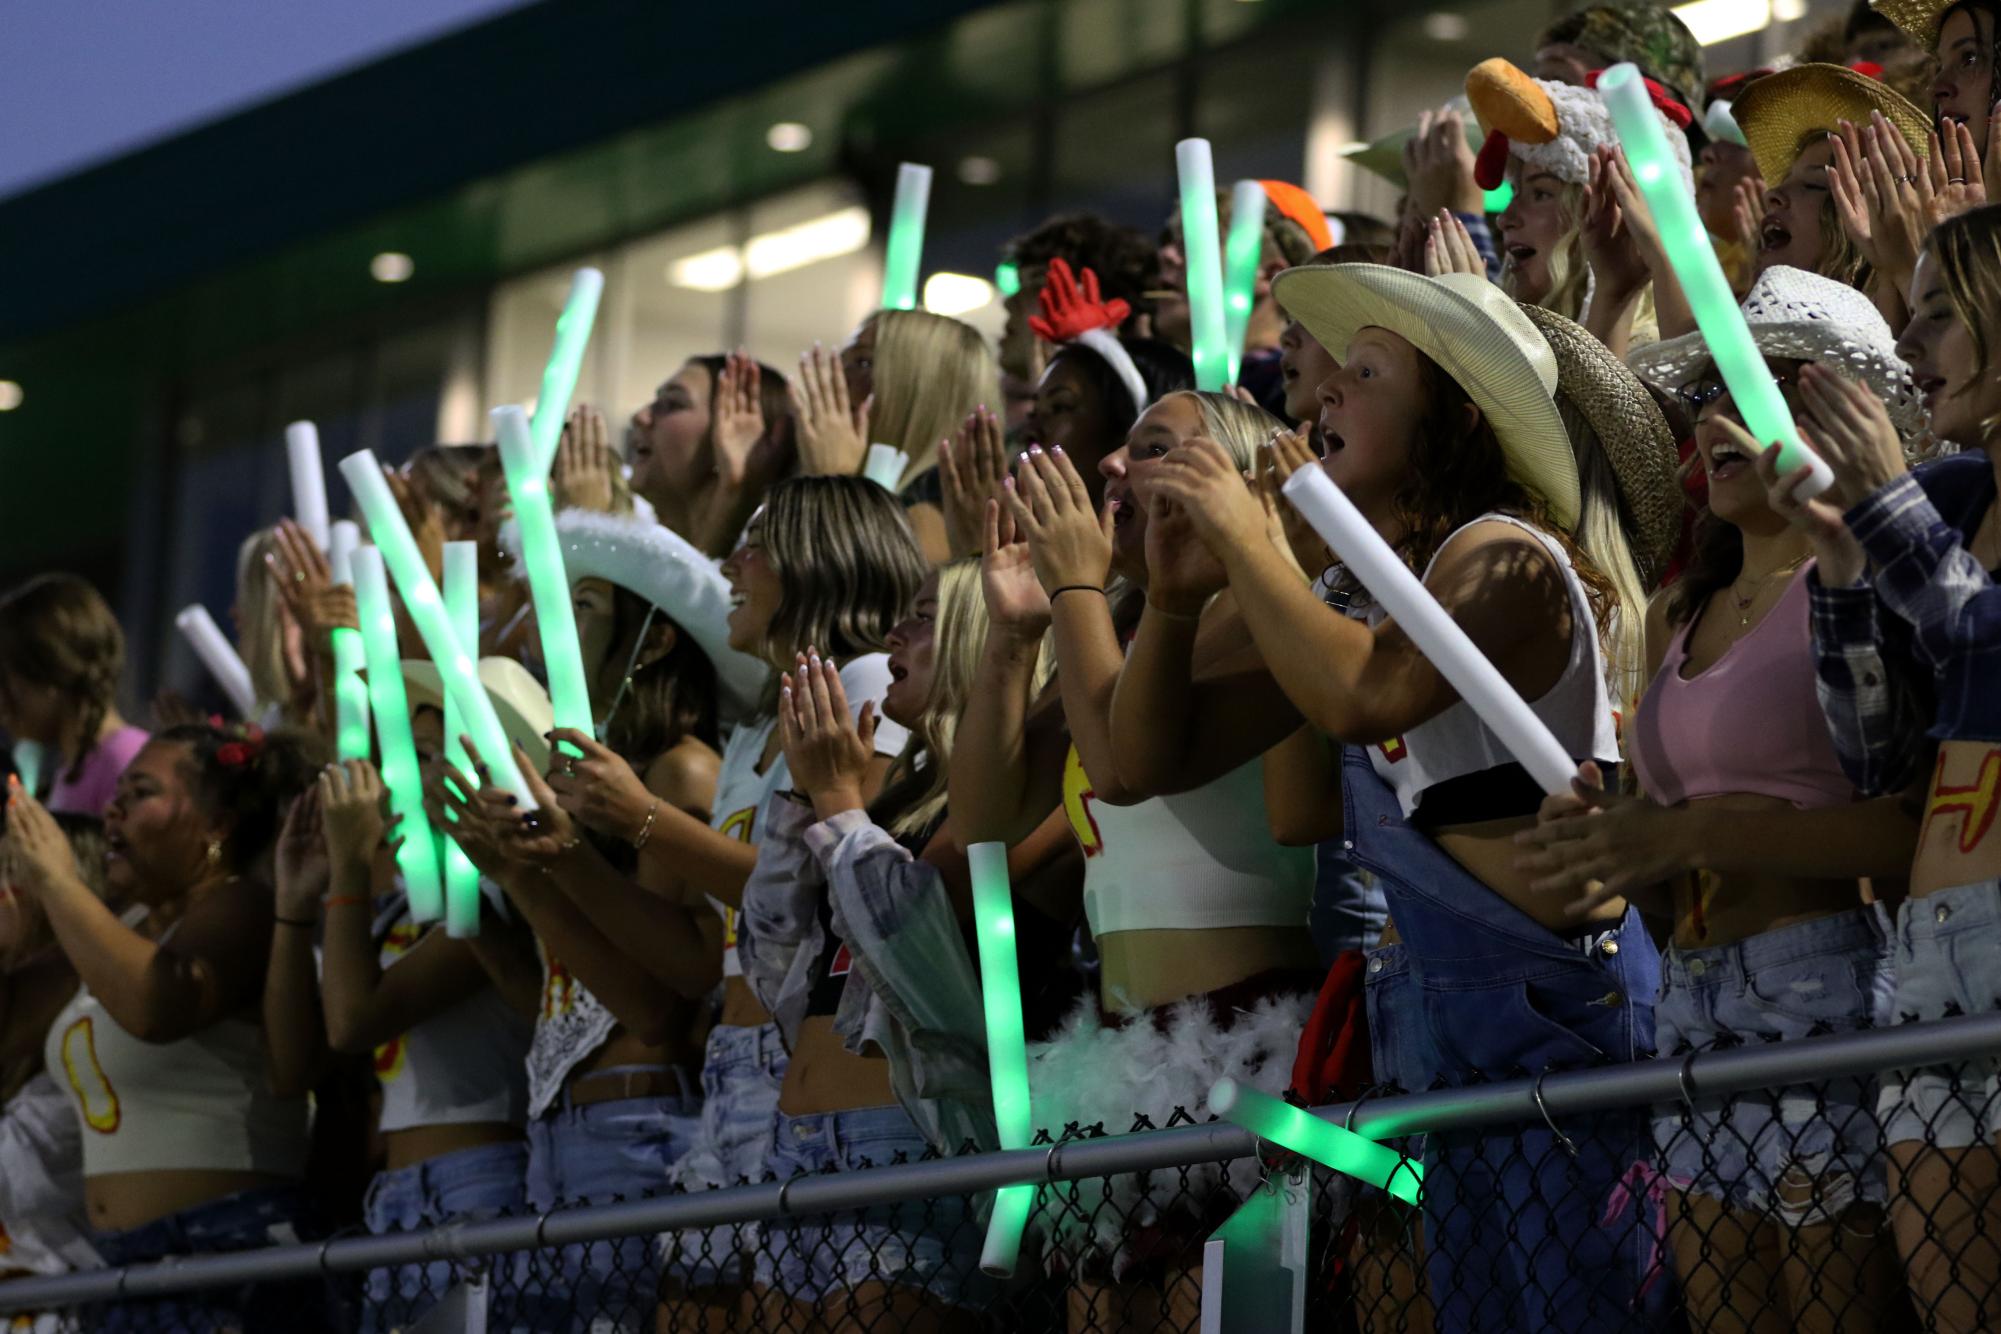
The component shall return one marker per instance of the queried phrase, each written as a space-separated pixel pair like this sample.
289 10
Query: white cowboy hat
1476 334
519 699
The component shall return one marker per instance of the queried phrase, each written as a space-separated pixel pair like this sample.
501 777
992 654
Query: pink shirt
97 782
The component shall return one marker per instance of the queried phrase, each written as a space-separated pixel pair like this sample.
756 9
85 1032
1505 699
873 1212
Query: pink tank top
1749 723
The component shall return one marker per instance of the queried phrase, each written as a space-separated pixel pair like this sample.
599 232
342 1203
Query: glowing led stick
1693 257
1324 1142
309 481
456 667
462 606
548 582
1203 252
349 690
1007 277
903 257
1362 549
28 765
566 362
418 857
1240 266
1007 1045
220 657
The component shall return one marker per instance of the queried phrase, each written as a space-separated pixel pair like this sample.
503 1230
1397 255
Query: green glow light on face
903 256
1007 277
1324 1142
462 606
418 857
1007 1044
28 764
349 690
1241 255
1693 257
566 362
1202 250
454 659
548 582
1498 198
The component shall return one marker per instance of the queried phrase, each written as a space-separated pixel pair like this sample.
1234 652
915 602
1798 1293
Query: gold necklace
1744 604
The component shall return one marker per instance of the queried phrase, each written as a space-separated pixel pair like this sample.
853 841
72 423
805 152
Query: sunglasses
1701 393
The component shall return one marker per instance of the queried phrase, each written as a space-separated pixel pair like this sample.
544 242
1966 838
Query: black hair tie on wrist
1076 588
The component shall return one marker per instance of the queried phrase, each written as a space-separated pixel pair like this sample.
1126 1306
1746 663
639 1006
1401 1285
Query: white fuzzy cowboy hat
1802 316
519 699
1475 333
661 566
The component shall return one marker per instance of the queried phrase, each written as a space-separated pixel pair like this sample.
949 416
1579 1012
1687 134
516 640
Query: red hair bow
235 754
1068 310
1665 102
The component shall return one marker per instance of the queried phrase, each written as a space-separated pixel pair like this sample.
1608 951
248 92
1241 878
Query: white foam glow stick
351 734
309 481
1369 558
220 657
885 466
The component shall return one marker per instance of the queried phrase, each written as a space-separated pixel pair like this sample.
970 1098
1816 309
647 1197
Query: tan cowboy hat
1632 430
1778 112
519 699
1475 333
1918 20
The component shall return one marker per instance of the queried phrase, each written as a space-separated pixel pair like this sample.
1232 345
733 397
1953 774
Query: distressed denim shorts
742 1070
930 1244
1805 1152
1948 952
467 1186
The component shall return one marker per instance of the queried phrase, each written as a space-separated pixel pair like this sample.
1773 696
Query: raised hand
301 857
597 786
584 462
304 582
736 416
38 851
1449 248
833 436
1953 180
1838 557
427 525
1287 528
1017 606
351 797
1438 164
827 753
1069 544
971 467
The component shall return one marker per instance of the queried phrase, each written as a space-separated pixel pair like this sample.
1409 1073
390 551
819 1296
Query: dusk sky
82 81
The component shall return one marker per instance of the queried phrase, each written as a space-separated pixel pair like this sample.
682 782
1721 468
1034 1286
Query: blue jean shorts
1828 975
469 1185
597 1154
742 1070
929 1244
1948 953
248 1220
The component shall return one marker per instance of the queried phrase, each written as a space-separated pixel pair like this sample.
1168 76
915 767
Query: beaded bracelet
646 830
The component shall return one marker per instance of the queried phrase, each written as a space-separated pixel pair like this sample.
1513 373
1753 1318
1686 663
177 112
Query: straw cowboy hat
658 564
1631 429
1918 20
1780 111
519 699
1475 333
1805 317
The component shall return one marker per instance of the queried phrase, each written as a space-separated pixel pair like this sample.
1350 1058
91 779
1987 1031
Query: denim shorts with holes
1948 954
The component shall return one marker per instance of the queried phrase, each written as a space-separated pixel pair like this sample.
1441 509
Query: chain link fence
1757 1188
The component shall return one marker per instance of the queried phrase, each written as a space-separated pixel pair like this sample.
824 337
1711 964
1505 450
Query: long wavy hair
914 790
56 630
1967 252
669 698
931 372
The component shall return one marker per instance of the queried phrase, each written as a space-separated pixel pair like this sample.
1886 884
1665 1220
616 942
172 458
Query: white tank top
42 1223
463 1067
202 1102
1577 709
1195 860
743 795
570 1025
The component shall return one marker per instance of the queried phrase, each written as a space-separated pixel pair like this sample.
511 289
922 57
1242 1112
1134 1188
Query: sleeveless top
1456 744
1749 722
462 1067
1186 862
570 1025
743 795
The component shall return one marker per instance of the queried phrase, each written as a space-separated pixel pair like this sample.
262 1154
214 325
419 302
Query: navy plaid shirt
1917 651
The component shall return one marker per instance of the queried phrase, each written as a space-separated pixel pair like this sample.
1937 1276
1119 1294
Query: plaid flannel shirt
1482 236
1915 651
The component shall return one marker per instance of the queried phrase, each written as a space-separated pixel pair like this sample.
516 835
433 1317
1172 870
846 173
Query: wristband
1165 614
1076 588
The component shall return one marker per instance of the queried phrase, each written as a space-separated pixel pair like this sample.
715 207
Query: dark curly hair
1163 368
1124 260
57 630
244 780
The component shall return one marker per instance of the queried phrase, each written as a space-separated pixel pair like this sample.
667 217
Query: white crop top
743 795
463 1067
202 1102
1191 861
1578 708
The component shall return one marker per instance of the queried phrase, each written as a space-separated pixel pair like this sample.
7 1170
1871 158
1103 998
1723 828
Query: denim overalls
1518 1233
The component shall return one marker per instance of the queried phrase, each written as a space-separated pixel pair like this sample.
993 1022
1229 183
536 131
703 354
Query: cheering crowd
1252 830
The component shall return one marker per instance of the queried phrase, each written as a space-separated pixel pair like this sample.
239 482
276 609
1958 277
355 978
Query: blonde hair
931 372
260 617
1570 288
1237 426
1602 536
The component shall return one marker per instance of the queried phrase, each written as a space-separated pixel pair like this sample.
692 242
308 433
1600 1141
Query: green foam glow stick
454 658
1497 199
1324 1142
1693 257
566 362
903 257
548 582
462 606
1203 252
1241 254
1007 277
349 690
28 765
418 857
1007 1045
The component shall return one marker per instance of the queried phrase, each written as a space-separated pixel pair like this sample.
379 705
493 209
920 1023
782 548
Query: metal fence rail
1553 1098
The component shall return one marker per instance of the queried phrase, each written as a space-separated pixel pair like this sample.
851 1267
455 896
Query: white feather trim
1582 125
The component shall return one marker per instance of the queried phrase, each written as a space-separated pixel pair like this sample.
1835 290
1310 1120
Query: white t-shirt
743 794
